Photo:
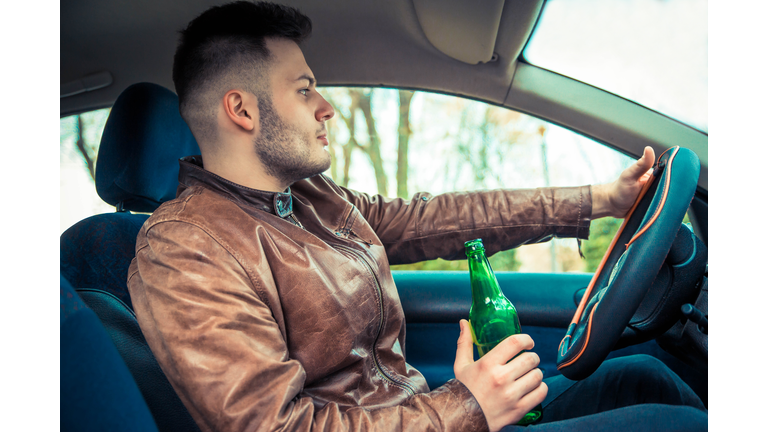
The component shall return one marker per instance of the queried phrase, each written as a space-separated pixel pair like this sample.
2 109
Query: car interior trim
85 84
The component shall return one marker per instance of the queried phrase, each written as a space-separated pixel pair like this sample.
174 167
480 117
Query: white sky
653 52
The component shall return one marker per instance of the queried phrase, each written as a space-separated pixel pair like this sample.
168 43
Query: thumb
464 354
642 165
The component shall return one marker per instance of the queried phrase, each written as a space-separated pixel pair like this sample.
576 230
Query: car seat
98 392
136 170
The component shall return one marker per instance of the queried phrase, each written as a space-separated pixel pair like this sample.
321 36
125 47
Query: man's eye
304 91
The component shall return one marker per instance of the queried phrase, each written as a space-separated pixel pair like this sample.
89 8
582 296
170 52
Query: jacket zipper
349 232
297 222
376 362
403 386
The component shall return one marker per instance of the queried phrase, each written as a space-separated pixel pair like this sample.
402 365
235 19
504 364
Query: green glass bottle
492 317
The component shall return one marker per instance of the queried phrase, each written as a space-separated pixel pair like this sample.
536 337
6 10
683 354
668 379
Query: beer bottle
492 317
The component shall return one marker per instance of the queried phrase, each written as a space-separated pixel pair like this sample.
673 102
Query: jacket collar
191 173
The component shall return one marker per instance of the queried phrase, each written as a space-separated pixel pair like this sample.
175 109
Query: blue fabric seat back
96 252
137 170
98 392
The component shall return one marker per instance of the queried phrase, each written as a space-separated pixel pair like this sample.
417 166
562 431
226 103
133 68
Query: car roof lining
390 47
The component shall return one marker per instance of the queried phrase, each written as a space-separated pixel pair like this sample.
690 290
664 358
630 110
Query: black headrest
137 167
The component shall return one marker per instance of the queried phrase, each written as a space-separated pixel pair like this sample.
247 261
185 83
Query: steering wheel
630 264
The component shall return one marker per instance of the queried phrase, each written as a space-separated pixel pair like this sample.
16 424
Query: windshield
652 52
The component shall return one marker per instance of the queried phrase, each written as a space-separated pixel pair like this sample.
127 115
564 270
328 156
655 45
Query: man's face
292 140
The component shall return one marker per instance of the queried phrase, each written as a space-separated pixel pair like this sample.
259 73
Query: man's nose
325 110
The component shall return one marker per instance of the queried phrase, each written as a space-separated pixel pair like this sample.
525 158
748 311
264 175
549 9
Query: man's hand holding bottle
506 390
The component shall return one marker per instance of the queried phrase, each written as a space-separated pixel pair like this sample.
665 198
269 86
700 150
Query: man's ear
242 109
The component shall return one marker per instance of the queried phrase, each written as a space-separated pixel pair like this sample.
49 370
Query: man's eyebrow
308 78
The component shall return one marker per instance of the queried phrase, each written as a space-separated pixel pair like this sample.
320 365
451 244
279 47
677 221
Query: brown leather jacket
277 311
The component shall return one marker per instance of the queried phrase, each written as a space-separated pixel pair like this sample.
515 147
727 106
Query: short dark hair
226 45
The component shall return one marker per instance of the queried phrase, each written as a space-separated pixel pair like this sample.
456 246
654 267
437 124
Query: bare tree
403 137
83 148
348 103
349 116
545 168
470 150
373 148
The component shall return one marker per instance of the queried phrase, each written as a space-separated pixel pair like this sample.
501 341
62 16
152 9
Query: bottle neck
483 280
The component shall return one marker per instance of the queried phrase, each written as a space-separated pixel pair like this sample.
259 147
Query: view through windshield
653 52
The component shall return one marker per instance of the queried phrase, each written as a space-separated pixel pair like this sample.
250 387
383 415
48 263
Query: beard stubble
284 151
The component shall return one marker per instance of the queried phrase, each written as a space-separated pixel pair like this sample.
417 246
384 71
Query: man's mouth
323 138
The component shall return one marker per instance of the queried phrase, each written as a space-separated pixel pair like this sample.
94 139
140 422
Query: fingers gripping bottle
492 317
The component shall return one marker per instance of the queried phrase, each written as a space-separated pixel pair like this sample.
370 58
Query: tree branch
80 142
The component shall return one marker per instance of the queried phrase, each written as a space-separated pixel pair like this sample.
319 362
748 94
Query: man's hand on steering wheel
616 198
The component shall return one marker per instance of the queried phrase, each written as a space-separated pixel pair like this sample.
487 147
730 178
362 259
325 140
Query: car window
397 143
80 136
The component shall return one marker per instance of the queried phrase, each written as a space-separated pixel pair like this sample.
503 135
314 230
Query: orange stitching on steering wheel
586 341
663 198
592 282
588 292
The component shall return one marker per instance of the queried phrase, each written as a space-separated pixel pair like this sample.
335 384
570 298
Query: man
264 289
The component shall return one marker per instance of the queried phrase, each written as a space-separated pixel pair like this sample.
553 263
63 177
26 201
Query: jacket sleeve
221 348
428 227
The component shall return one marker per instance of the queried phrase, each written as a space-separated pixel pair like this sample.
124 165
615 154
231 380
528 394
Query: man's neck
245 171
